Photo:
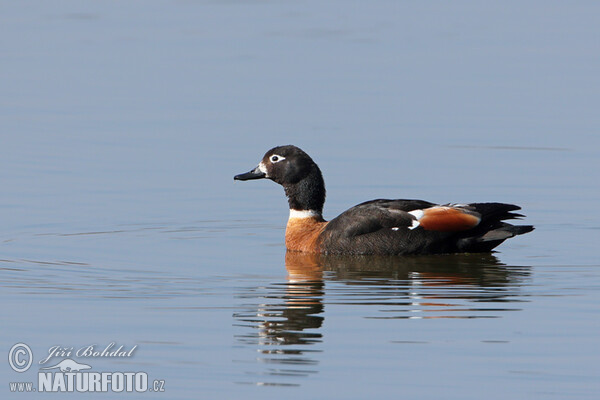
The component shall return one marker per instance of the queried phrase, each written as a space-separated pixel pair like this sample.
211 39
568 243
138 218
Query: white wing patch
418 214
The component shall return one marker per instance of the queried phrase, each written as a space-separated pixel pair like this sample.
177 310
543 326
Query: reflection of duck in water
481 269
287 310
379 226
289 313
483 275
285 323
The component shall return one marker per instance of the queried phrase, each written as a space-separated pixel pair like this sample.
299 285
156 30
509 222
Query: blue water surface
123 123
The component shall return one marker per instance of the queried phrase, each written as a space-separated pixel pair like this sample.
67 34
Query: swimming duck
379 226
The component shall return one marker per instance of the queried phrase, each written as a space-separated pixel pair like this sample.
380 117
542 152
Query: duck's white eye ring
275 158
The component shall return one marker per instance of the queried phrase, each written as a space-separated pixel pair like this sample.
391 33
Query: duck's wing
374 215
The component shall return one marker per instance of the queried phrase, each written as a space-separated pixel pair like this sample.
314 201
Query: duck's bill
256 173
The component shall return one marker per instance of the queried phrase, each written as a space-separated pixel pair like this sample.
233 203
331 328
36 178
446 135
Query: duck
380 226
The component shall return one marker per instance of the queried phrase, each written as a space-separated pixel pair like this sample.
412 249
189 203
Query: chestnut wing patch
446 219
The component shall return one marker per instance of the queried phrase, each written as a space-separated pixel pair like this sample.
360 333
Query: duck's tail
492 230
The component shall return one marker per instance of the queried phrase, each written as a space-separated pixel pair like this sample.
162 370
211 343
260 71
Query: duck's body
379 226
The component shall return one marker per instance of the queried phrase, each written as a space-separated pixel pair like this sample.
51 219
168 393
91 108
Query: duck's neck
307 196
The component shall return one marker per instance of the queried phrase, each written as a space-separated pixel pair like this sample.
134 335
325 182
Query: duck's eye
275 158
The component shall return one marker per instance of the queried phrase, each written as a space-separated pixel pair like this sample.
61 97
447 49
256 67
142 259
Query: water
122 125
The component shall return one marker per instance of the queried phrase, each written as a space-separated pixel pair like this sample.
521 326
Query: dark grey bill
254 174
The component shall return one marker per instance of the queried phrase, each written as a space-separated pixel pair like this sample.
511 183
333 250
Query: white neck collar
304 214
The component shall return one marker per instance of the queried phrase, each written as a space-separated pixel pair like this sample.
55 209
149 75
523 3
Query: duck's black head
299 175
